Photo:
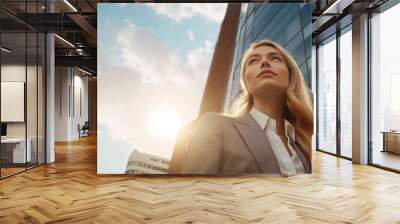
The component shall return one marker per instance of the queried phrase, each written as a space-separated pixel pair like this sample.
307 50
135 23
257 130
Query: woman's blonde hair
298 108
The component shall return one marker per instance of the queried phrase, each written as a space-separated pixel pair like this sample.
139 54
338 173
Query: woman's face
266 72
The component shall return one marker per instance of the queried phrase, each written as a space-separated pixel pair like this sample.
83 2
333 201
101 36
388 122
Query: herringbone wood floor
70 191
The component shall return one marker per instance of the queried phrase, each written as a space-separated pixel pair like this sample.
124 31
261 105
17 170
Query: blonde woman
272 130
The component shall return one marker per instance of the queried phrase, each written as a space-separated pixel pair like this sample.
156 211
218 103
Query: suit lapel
257 144
306 162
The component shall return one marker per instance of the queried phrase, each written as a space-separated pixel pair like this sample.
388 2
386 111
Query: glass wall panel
22 89
385 89
346 94
31 100
32 87
13 108
41 98
327 96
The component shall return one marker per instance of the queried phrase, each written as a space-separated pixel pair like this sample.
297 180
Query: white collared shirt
289 165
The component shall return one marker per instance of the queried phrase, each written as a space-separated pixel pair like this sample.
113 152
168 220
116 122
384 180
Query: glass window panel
385 89
275 13
327 97
32 94
296 49
346 94
249 25
250 7
246 44
308 42
280 31
306 10
303 69
290 29
41 98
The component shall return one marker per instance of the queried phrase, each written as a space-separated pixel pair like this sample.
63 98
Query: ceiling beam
84 24
83 61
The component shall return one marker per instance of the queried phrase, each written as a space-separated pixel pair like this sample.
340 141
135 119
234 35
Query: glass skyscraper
286 24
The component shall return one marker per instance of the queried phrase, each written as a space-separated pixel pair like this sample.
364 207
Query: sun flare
163 124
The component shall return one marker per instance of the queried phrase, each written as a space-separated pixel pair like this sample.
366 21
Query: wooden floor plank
70 191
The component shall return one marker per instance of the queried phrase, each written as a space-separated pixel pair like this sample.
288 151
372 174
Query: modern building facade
144 163
289 25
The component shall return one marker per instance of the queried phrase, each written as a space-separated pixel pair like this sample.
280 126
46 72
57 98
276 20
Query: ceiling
75 21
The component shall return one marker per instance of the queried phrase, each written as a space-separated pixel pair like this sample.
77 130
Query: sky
153 61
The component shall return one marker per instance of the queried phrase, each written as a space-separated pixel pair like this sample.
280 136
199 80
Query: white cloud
179 12
199 59
190 35
142 52
148 77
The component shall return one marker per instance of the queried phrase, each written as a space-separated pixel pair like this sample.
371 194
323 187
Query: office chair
84 130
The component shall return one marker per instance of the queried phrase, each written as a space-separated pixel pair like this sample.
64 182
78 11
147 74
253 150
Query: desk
15 148
391 141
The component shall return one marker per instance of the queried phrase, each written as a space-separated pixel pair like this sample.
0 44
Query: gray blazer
216 144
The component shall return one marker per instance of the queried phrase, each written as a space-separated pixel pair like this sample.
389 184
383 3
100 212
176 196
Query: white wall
81 103
70 83
61 103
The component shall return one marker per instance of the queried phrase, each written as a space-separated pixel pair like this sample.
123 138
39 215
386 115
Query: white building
143 163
